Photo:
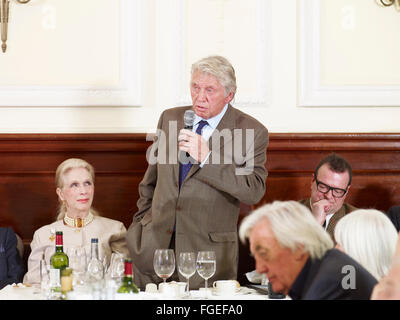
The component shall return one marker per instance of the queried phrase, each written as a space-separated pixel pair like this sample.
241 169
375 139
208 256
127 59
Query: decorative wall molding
263 56
311 92
127 93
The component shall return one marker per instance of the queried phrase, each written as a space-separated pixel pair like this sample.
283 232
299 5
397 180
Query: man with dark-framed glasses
330 185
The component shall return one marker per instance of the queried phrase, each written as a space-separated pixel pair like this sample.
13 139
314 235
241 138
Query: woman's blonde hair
63 169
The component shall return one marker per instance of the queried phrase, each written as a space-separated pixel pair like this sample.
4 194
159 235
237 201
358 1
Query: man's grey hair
220 68
293 225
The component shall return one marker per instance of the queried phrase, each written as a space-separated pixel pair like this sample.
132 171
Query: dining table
33 292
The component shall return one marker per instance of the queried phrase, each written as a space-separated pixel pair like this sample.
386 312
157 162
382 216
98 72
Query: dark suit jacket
205 211
11 266
330 279
345 209
394 216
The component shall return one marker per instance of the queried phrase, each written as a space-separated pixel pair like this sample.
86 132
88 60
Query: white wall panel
73 53
239 30
348 54
107 66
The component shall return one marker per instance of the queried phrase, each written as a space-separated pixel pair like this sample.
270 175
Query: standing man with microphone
193 204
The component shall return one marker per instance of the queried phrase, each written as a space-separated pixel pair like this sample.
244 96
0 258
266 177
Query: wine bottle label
54 277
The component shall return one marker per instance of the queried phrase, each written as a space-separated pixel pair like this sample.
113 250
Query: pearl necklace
78 222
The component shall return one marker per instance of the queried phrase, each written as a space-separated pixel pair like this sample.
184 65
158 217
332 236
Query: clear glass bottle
95 267
127 283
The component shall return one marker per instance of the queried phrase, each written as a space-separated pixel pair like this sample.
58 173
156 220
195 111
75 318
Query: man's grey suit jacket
204 212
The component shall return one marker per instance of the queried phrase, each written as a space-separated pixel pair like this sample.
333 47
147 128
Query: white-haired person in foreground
388 287
369 237
297 255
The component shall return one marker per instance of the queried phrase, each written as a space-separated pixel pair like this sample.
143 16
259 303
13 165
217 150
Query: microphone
188 119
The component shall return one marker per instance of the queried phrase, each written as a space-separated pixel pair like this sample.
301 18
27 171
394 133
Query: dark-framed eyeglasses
324 188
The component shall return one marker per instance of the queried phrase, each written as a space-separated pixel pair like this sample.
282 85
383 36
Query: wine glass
105 265
164 263
77 261
117 266
206 265
187 266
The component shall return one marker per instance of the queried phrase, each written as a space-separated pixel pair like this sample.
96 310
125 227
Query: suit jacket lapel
227 122
334 220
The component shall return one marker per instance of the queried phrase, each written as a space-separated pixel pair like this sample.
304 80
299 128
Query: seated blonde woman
77 219
369 237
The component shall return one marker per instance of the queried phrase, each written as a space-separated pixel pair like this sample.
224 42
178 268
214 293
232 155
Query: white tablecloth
20 292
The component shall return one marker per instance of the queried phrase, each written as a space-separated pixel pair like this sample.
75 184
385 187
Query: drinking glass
187 266
77 261
43 286
117 266
206 265
164 263
105 265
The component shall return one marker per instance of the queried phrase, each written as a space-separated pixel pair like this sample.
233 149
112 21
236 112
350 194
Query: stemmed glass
117 266
77 261
187 267
105 265
206 265
164 263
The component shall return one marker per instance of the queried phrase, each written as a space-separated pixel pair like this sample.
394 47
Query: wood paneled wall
27 169
28 163
375 160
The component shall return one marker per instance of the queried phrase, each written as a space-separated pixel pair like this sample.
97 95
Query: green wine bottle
127 284
59 260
